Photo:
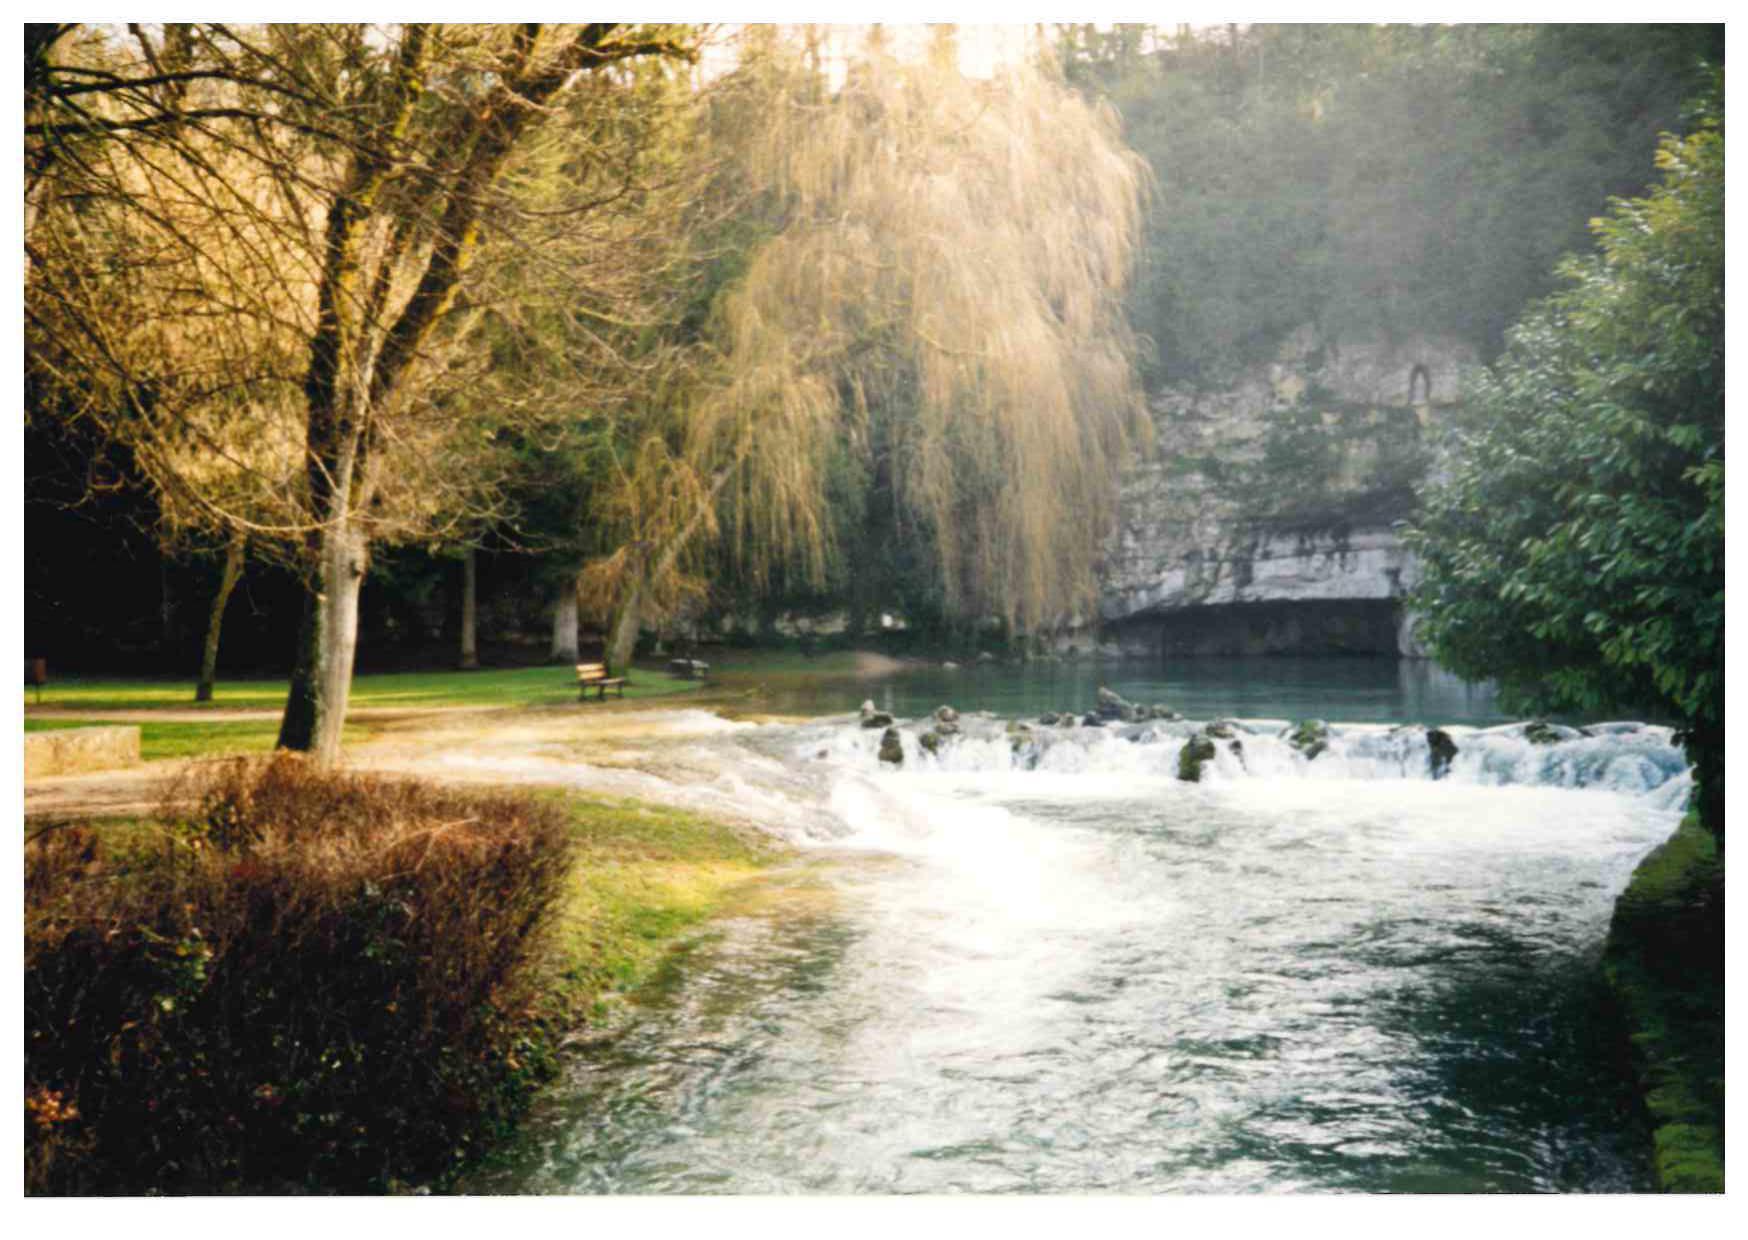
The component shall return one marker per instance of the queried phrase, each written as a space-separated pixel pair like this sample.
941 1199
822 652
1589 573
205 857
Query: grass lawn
176 739
519 686
645 876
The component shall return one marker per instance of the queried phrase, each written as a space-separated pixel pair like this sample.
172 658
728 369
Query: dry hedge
313 981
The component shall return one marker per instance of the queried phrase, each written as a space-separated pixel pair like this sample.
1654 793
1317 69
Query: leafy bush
1574 547
314 980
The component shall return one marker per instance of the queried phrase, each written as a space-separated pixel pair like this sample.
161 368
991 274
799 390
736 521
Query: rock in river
1309 736
1197 752
1441 750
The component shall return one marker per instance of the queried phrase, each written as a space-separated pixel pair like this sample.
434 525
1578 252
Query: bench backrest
591 671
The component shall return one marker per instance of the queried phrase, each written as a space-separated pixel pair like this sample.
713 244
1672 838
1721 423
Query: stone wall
65 752
1282 488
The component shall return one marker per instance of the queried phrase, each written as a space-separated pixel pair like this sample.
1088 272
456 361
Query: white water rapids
1044 963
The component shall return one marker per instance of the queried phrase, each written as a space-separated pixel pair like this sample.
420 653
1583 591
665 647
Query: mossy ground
1664 963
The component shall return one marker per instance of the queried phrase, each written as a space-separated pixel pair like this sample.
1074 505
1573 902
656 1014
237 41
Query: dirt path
603 751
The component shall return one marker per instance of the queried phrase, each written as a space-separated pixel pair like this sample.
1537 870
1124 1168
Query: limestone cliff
1264 522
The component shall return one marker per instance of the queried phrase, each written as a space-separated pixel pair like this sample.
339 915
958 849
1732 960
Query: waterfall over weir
1632 758
1039 962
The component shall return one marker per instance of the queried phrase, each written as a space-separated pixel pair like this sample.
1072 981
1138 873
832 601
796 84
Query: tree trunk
166 610
327 643
564 624
469 612
209 656
627 618
628 611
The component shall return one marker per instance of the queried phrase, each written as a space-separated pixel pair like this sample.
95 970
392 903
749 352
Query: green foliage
314 981
1373 178
1574 549
1665 965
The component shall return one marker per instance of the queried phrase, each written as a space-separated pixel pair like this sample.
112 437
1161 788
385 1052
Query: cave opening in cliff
1300 627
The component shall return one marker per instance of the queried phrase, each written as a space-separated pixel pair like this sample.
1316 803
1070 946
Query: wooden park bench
594 676
689 669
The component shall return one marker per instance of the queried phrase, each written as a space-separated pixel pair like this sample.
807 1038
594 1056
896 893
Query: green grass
520 686
174 739
1664 963
646 877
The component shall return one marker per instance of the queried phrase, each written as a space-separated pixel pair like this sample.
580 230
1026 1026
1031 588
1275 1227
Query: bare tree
249 247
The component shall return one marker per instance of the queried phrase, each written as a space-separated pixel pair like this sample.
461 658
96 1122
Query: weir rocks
1197 752
1309 736
1441 750
892 747
1540 732
1114 708
872 718
1111 705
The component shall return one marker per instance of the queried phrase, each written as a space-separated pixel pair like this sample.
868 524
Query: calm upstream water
1345 690
1043 964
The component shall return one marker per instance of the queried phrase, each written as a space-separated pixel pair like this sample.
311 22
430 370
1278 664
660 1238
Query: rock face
1264 522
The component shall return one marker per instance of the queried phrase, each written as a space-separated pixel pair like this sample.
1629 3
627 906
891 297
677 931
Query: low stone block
80 749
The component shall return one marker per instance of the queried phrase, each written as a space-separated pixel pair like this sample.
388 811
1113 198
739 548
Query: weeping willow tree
938 294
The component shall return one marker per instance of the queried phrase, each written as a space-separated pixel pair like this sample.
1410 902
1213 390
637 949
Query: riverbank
337 984
1665 966
984 885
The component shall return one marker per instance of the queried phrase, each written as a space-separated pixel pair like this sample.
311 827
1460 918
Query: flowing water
1041 963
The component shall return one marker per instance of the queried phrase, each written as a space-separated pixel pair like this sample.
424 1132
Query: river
1041 963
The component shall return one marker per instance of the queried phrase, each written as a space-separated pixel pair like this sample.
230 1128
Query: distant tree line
1365 178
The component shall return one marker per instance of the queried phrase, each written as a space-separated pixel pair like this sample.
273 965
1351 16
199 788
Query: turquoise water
1351 690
